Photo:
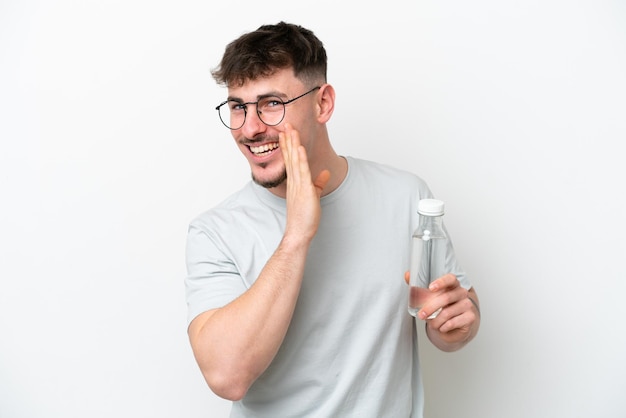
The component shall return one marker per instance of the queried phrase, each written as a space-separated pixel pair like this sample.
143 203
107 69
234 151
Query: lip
262 151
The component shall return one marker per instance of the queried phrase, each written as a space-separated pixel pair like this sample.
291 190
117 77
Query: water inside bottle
427 264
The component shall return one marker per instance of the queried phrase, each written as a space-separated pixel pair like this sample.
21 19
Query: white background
512 111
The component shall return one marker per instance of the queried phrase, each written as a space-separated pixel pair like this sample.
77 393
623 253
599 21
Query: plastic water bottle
428 253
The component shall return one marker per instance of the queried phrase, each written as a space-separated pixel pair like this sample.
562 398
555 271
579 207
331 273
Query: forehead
281 82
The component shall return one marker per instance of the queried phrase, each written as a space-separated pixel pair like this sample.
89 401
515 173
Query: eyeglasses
270 109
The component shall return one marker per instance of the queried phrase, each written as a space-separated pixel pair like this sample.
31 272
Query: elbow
227 387
229 392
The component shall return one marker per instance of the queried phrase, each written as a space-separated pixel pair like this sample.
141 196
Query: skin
459 320
235 344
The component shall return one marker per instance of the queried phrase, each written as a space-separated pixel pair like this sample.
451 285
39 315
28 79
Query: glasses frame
246 104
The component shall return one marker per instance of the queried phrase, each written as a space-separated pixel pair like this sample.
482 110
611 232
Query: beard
271 183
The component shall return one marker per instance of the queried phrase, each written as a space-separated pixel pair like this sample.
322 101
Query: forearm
234 344
460 330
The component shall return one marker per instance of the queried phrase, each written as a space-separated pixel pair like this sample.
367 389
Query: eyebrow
259 97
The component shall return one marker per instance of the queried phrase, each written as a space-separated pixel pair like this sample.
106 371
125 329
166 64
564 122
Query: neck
335 164
338 167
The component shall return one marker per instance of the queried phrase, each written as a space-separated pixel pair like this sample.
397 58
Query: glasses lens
232 114
271 110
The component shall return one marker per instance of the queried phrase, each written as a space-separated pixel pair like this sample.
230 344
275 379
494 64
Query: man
297 305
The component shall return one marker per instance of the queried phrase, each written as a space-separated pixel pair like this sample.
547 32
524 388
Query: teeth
264 148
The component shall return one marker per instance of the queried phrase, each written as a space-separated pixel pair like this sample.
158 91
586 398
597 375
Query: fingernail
434 314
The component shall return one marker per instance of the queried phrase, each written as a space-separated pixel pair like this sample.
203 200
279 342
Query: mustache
259 139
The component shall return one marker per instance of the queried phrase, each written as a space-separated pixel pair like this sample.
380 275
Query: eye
270 104
235 106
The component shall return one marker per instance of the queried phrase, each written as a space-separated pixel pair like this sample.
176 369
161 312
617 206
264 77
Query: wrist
294 243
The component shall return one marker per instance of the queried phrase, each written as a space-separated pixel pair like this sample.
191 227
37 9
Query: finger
297 155
407 276
455 315
293 138
321 181
428 313
458 322
445 298
446 281
284 145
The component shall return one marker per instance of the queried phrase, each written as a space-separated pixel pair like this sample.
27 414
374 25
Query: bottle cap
430 207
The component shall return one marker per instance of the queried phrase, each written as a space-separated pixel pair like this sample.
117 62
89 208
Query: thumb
321 181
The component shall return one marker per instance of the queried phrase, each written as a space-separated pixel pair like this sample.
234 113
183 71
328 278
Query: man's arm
234 344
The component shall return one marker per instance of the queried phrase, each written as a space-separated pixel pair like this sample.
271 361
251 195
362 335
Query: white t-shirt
351 348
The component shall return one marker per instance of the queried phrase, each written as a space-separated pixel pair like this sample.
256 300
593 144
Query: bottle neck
426 219
432 224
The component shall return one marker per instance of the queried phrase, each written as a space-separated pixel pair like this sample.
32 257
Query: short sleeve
213 279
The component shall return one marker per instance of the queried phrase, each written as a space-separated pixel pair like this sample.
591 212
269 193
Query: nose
253 125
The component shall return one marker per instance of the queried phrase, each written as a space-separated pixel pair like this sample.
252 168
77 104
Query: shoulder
228 210
388 176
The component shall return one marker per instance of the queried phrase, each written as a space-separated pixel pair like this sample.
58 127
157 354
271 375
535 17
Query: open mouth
264 149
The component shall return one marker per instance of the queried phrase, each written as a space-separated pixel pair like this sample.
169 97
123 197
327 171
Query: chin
270 182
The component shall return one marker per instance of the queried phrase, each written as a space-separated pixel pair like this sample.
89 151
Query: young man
297 303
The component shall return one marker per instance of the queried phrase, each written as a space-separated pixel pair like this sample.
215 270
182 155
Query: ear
325 103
